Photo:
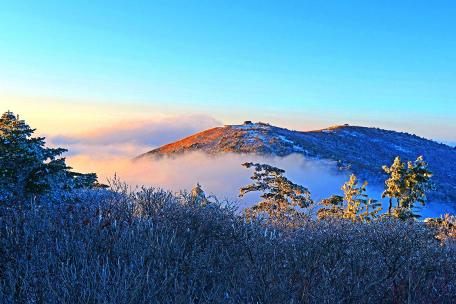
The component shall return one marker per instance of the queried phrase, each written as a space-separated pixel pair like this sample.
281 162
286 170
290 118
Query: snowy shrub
79 243
445 227
152 246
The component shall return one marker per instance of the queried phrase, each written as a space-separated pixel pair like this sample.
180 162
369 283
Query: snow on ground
283 138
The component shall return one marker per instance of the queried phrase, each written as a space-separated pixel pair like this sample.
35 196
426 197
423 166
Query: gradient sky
300 64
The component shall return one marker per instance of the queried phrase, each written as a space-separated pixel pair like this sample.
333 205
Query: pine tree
408 185
198 196
418 182
359 208
333 207
395 183
28 168
355 205
280 195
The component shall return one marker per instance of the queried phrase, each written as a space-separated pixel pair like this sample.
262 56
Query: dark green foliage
29 169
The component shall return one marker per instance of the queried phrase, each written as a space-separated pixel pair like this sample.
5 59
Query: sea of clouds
221 175
110 151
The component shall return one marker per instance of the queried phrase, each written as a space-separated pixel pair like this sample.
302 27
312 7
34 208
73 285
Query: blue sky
386 63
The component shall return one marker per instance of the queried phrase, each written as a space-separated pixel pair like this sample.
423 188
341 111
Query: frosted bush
152 246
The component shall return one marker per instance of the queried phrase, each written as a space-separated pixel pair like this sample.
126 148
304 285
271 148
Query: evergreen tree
280 195
198 196
355 205
360 208
333 207
395 183
28 168
408 185
417 183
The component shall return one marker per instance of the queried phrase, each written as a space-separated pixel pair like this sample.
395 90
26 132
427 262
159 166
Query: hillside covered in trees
65 238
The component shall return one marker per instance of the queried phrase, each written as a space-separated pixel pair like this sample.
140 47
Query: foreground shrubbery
153 246
65 239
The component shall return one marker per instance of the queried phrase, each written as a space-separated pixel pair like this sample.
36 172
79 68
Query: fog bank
219 175
224 175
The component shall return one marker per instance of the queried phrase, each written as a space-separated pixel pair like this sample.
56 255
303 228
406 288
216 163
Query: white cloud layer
221 175
129 138
109 151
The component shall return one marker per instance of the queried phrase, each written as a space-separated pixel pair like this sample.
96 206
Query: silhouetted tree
28 168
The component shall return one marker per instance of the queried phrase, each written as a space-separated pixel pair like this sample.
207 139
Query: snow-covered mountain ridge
361 150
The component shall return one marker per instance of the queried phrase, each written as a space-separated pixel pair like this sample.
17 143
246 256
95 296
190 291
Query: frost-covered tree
445 227
28 168
395 183
198 196
355 205
280 196
418 182
408 184
333 207
360 208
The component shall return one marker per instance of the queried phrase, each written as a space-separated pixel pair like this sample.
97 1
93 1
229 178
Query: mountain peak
361 150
